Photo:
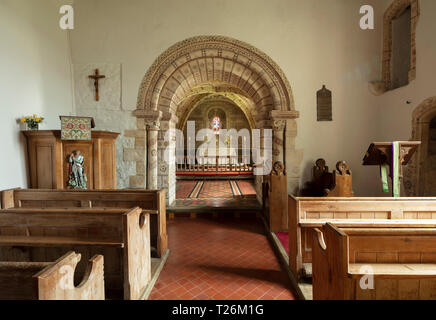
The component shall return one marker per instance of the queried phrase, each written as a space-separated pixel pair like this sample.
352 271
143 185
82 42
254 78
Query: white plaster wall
395 115
35 77
315 42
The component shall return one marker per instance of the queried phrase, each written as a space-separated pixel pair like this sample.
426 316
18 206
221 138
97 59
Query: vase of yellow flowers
32 122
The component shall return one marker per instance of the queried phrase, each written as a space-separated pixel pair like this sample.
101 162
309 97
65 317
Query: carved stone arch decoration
414 172
195 69
214 58
396 9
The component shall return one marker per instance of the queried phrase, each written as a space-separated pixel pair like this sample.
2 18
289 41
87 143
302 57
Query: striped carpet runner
214 189
235 188
197 189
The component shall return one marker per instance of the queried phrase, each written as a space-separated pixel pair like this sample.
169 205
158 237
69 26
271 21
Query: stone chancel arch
213 58
193 70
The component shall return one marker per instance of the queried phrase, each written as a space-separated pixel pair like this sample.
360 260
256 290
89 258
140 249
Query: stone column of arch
293 157
279 121
278 134
152 134
170 165
152 120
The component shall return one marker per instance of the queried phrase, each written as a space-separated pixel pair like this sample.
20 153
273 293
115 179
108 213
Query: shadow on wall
25 156
306 175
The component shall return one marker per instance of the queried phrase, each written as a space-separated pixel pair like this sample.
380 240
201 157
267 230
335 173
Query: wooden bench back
383 245
41 198
339 251
394 245
104 224
363 208
153 200
16 280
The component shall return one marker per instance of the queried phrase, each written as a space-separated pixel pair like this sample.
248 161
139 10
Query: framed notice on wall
76 128
324 104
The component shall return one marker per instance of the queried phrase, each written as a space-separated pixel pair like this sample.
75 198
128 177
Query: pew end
56 282
136 256
8 198
329 248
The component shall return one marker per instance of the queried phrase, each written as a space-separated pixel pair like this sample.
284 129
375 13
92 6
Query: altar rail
211 164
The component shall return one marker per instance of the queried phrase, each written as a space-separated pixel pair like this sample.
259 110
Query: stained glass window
216 125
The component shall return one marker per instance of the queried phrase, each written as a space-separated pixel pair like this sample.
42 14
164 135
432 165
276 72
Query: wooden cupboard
48 159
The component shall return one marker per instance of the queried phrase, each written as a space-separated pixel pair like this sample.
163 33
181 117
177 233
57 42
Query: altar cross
96 77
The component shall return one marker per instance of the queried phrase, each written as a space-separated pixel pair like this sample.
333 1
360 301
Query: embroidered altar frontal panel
75 128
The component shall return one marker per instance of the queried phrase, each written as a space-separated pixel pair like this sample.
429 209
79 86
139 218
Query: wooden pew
51 280
122 236
338 183
308 213
374 263
151 201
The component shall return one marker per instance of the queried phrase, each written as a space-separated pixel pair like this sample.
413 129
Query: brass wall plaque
324 104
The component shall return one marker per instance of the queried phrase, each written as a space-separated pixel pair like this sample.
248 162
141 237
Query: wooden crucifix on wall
96 77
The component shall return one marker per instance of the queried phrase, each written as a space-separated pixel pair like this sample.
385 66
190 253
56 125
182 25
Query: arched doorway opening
201 68
420 174
223 166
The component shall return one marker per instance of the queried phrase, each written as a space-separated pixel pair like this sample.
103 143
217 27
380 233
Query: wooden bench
151 201
308 213
338 183
51 280
122 236
374 263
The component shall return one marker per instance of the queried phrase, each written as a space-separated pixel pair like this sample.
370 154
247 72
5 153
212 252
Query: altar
49 159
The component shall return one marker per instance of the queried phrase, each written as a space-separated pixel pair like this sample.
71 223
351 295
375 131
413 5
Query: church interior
218 150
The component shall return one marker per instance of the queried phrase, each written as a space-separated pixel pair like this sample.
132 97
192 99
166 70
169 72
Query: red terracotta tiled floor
220 259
